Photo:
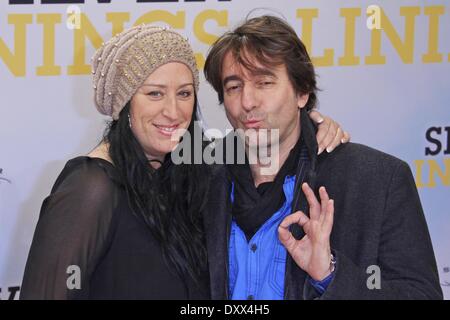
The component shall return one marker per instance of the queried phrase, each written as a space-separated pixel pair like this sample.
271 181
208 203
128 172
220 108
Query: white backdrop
387 87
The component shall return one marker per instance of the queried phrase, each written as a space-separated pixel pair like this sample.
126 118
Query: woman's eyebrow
165 86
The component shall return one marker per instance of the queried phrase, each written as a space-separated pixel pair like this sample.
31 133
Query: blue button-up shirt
257 268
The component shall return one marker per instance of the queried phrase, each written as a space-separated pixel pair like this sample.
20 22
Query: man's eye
233 88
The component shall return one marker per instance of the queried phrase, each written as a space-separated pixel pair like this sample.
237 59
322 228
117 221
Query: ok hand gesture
312 253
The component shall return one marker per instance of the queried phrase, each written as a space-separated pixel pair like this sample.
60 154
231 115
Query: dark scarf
252 206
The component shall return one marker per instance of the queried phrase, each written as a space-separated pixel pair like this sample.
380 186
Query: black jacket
378 220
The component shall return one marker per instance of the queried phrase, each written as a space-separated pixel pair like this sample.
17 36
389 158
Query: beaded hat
123 64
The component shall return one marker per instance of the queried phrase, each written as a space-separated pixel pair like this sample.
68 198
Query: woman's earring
129 120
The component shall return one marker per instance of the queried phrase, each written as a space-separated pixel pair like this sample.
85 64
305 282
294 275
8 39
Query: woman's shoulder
88 174
87 189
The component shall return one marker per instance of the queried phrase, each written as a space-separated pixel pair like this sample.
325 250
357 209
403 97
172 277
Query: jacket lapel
217 220
295 277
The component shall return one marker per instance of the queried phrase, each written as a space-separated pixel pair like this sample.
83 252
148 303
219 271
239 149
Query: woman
124 222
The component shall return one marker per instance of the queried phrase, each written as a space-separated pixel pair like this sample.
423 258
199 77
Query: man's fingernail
329 149
320 120
319 151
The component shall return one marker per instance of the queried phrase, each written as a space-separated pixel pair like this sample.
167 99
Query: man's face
261 100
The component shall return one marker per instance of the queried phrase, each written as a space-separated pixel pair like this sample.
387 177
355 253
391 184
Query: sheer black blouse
87 229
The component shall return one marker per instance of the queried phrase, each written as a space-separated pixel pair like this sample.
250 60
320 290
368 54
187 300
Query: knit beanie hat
123 64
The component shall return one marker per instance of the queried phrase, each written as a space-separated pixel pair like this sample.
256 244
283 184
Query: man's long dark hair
270 41
170 199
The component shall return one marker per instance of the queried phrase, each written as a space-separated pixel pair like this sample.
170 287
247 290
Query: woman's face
163 104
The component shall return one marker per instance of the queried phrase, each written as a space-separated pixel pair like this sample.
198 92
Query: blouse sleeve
72 233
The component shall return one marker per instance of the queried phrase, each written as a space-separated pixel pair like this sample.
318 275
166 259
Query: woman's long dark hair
169 199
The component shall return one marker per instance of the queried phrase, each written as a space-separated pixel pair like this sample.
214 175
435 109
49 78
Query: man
257 249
